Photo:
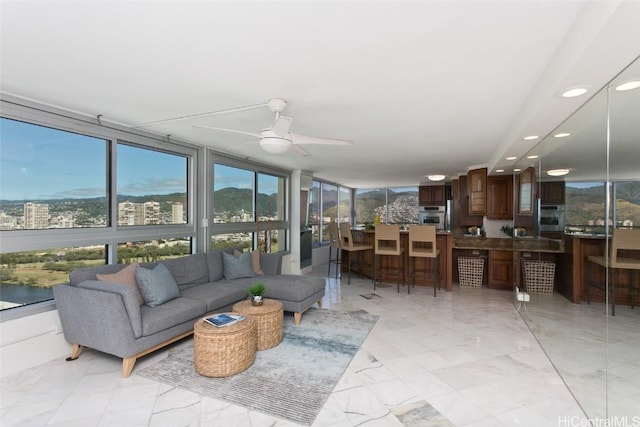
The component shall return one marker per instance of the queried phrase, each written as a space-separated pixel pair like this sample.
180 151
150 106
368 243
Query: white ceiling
419 87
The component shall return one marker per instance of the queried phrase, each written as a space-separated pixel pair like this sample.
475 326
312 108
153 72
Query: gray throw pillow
156 285
237 267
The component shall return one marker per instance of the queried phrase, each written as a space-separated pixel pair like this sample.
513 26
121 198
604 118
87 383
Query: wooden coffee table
224 351
268 316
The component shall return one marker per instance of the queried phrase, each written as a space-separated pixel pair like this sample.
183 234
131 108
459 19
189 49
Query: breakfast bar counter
444 242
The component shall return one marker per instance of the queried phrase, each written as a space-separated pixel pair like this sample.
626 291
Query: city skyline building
36 216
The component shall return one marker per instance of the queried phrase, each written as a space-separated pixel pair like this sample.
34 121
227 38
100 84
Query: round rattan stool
226 350
268 316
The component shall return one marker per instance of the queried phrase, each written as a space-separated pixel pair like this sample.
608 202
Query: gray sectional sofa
113 318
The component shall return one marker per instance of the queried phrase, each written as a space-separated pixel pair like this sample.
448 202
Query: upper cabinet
477 189
552 193
526 191
500 197
432 195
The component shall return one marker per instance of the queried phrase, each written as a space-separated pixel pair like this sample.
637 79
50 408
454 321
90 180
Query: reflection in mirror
589 168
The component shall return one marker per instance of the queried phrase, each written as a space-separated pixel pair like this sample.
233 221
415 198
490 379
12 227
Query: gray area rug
293 380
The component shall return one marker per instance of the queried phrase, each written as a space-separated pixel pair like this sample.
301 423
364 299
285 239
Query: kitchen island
503 257
444 242
574 271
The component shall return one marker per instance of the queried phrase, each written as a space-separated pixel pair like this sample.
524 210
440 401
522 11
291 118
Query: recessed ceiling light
511 158
436 177
561 135
517 170
557 172
532 157
632 84
499 170
531 137
573 92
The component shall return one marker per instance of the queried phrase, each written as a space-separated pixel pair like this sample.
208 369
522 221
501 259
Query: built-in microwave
432 215
552 218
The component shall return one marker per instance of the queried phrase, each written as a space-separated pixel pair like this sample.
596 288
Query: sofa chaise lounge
98 310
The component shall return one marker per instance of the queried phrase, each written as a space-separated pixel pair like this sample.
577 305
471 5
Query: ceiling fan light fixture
274 145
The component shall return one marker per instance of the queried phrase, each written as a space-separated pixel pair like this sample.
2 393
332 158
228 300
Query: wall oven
552 218
432 215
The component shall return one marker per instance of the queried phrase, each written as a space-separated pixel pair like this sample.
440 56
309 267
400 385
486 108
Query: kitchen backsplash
492 227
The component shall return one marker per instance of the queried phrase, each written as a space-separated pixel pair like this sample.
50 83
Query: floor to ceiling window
327 203
249 206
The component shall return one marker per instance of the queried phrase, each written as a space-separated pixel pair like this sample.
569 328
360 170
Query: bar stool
623 239
387 243
347 244
334 243
422 244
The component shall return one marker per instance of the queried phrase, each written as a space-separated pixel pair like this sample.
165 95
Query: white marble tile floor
464 358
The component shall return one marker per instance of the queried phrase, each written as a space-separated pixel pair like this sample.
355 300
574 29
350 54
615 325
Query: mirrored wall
587 183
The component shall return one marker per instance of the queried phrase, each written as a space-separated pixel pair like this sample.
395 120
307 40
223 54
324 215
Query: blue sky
42 163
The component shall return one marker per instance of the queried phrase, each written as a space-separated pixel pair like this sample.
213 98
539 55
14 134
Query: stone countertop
517 244
586 236
438 232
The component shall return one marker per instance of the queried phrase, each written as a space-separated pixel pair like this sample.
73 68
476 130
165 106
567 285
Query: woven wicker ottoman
268 316
224 351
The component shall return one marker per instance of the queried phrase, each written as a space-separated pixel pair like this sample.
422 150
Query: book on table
223 319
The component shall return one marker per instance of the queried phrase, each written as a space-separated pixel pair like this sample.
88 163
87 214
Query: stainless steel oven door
432 218
552 218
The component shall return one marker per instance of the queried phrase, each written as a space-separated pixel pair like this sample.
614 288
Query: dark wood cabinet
477 190
501 270
455 189
552 193
500 197
526 191
434 195
461 217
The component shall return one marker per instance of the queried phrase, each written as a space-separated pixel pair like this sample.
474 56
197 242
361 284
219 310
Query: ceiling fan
278 139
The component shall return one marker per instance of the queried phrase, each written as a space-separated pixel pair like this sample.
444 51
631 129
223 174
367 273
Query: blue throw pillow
237 267
156 285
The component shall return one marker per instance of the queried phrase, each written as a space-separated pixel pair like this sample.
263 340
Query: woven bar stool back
387 244
422 244
623 240
349 245
334 243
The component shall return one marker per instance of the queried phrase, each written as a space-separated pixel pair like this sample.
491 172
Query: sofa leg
75 352
297 317
320 303
127 366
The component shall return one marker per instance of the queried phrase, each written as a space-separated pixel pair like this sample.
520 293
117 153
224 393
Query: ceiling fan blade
241 132
193 116
304 139
243 145
282 125
299 150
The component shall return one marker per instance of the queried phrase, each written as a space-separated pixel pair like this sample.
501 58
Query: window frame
110 236
251 226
